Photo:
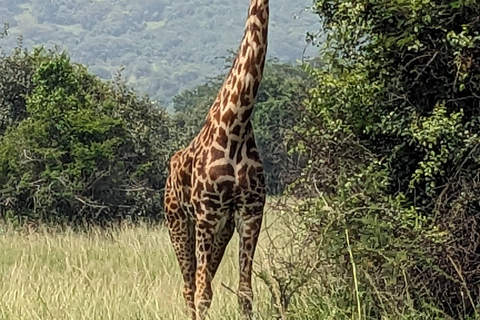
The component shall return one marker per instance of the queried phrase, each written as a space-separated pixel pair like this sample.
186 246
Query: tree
86 151
391 130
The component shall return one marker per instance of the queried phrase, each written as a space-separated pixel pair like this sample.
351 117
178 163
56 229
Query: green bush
86 151
360 245
416 106
391 133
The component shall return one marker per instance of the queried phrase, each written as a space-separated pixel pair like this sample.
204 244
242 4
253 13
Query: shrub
394 115
86 151
359 244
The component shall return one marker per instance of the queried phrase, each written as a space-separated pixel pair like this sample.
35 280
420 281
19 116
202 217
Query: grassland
130 273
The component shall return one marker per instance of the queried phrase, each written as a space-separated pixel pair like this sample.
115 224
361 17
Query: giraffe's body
216 184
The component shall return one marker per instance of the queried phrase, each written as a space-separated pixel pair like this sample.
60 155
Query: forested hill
165 46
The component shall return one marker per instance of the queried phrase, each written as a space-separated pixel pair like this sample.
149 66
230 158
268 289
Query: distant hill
165 46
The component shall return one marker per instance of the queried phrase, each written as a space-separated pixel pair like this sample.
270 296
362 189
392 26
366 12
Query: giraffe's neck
234 104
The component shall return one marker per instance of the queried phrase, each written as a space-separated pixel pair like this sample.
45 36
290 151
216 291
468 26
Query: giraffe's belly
221 192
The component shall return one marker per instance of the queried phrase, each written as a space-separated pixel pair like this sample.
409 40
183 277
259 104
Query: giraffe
216 184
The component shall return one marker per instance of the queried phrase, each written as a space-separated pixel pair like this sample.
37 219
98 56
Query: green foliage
86 151
279 101
360 242
391 134
165 46
364 244
15 82
443 139
414 57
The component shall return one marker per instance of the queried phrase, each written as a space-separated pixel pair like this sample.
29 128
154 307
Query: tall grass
130 273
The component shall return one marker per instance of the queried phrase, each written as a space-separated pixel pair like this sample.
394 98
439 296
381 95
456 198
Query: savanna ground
129 273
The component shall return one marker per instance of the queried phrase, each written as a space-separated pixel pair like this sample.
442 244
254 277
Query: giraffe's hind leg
210 248
220 243
182 236
249 224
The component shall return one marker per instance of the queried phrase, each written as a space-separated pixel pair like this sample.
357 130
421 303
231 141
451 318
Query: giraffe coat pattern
216 184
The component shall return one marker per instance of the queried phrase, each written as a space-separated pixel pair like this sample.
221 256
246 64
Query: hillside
165 46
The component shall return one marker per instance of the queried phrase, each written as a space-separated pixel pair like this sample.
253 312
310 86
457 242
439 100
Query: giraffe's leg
182 236
248 226
204 234
220 243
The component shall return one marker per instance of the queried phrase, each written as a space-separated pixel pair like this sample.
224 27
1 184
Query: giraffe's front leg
248 225
204 233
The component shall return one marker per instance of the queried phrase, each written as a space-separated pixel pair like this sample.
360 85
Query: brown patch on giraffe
246 115
214 196
240 66
241 88
242 176
212 205
228 118
216 154
185 179
234 98
202 226
261 56
255 73
246 133
255 87
233 149
248 64
227 187
244 50
234 80
252 172
221 138
226 97
209 187
255 28
219 171
207 247
217 116
236 130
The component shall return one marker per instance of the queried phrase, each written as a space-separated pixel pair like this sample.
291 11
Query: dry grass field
126 274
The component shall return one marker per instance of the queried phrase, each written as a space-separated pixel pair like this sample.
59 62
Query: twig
464 283
90 204
426 66
354 271
229 289
235 293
